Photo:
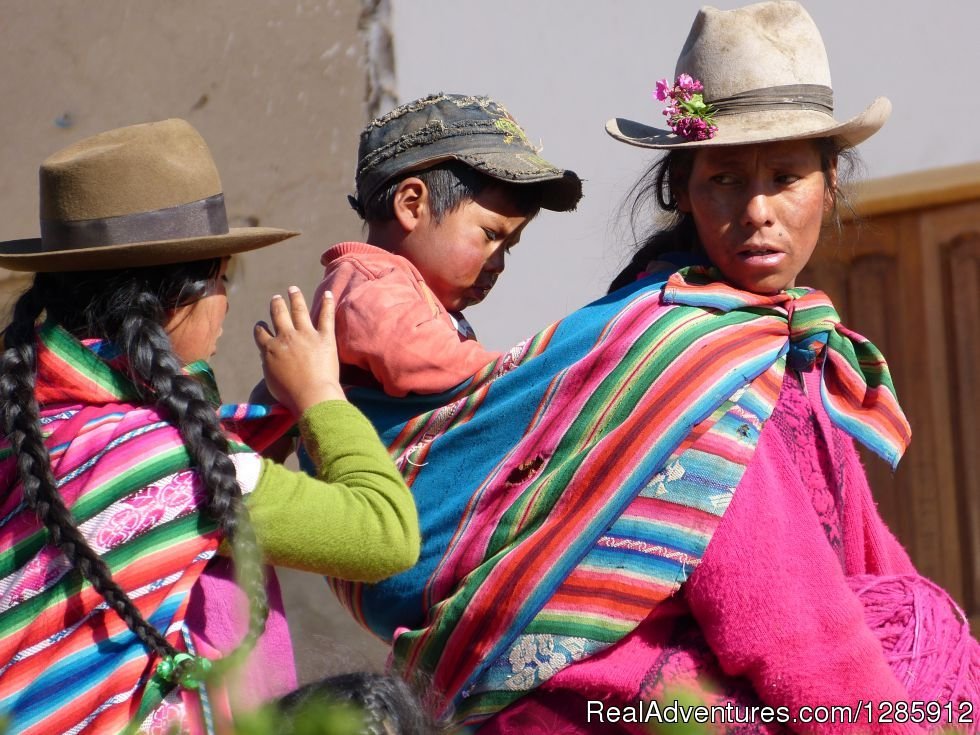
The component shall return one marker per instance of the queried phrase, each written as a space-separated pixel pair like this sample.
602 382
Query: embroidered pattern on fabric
169 718
158 503
658 483
163 501
536 658
37 575
820 462
664 552
63 416
416 450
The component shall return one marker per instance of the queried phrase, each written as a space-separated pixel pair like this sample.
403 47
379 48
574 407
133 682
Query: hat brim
768 126
560 190
27 255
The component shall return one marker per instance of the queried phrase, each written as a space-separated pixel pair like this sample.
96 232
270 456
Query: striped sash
575 484
67 663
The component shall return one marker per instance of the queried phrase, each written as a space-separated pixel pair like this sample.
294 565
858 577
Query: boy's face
461 257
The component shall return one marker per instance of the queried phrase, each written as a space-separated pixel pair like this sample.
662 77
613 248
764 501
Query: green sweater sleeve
355 520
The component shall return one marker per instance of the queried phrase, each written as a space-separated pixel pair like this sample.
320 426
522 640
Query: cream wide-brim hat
765 70
136 196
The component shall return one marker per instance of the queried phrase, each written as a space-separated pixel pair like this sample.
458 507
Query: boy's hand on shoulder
299 359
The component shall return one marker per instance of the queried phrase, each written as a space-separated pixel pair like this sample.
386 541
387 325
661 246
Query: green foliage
685 698
315 717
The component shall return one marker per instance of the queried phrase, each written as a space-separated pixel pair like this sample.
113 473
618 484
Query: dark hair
450 184
128 309
674 231
387 702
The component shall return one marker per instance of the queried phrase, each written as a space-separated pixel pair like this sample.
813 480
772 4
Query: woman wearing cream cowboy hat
667 495
773 615
121 478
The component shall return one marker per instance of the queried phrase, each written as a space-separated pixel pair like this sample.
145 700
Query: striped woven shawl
67 663
574 484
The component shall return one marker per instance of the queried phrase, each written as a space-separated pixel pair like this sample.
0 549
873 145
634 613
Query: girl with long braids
126 490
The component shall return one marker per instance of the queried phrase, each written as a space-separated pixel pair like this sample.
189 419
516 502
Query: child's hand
299 360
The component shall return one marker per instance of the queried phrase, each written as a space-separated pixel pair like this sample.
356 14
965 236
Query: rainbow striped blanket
67 663
574 484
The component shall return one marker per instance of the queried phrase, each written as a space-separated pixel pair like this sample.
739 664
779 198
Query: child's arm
390 325
355 520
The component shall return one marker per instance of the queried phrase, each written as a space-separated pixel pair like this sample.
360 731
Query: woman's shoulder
82 418
110 438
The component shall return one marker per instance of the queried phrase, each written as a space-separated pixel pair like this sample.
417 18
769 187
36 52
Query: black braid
152 360
127 308
654 193
387 702
20 424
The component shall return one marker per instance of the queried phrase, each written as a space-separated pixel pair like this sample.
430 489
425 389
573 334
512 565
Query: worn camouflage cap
472 129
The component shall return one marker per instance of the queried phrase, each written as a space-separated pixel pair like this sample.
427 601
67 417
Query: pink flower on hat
688 115
689 85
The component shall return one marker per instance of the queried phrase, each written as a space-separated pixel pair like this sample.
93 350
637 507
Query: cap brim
767 126
560 189
27 255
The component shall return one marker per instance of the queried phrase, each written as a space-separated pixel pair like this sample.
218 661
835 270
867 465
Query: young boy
446 185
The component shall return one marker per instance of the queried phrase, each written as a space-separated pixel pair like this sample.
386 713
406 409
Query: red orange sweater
390 326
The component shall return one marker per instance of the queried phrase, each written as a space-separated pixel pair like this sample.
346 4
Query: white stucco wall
563 67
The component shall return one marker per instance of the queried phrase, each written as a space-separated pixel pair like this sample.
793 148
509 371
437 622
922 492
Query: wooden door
906 275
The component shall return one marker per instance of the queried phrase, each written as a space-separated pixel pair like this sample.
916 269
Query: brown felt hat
136 196
765 71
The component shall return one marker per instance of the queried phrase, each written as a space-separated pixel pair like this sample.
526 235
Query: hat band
201 218
787 96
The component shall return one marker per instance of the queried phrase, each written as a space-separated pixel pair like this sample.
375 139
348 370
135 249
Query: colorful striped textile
857 389
67 663
575 483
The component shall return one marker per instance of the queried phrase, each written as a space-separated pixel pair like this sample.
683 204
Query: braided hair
127 308
386 702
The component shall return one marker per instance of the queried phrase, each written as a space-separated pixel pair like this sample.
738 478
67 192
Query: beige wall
278 88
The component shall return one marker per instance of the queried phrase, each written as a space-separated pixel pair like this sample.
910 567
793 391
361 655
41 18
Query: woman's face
758 209
194 328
